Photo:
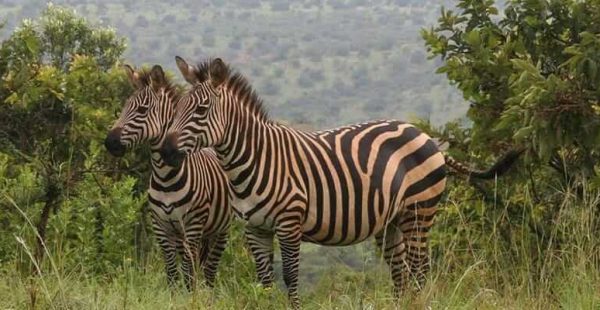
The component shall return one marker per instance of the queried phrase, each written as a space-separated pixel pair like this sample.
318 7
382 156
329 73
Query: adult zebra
189 204
333 187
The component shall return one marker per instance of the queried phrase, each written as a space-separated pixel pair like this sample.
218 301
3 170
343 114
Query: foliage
60 86
530 76
531 80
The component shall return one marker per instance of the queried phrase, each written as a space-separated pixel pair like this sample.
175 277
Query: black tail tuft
500 167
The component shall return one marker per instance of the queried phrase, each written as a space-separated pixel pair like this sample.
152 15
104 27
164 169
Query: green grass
482 274
466 287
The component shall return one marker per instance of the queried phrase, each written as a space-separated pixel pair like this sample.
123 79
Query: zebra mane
239 86
202 70
171 88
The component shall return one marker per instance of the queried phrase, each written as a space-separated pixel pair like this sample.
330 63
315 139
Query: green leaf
57 94
591 69
531 21
572 50
524 65
12 99
473 38
33 45
523 132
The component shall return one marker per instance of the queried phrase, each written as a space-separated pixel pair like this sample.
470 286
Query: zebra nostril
166 151
113 143
169 151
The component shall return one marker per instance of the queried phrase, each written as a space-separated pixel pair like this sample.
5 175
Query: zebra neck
243 146
247 130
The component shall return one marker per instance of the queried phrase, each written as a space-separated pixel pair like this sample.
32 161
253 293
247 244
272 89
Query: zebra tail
498 169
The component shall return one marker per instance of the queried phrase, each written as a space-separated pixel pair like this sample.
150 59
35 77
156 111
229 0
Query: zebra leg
203 251
393 246
289 234
190 260
214 258
192 237
261 244
170 256
169 251
414 224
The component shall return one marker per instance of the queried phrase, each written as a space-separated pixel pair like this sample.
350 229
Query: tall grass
472 268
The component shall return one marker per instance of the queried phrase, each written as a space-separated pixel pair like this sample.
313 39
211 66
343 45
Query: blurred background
323 63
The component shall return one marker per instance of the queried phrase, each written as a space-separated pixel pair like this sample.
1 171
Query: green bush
60 88
530 78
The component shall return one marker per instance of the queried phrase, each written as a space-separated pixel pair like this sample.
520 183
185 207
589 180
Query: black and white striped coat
189 204
378 179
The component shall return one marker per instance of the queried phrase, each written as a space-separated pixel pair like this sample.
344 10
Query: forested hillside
323 63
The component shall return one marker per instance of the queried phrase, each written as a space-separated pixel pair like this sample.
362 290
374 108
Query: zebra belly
308 238
258 219
324 235
218 220
343 225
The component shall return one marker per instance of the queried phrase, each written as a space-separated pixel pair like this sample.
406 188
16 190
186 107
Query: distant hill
323 63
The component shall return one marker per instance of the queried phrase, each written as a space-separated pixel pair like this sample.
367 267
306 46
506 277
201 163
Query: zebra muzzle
170 153
113 143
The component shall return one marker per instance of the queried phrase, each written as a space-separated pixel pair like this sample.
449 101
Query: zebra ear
133 77
188 72
157 78
218 72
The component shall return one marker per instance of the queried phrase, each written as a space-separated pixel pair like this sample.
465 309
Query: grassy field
480 285
482 274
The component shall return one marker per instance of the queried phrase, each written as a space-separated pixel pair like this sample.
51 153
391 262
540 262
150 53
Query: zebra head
146 113
200 120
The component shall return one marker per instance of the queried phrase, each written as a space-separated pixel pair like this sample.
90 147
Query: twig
536 197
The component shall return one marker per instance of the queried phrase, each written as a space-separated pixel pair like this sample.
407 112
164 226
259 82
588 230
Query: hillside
320 63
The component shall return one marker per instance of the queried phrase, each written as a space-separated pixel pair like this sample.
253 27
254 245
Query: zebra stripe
189 204
335 187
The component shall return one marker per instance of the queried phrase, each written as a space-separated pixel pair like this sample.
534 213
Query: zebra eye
141 109
201 109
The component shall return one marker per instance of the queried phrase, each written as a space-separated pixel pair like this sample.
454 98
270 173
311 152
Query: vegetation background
324 63
515 74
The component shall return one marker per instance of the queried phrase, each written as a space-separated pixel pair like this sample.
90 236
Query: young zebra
189 204
335 187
